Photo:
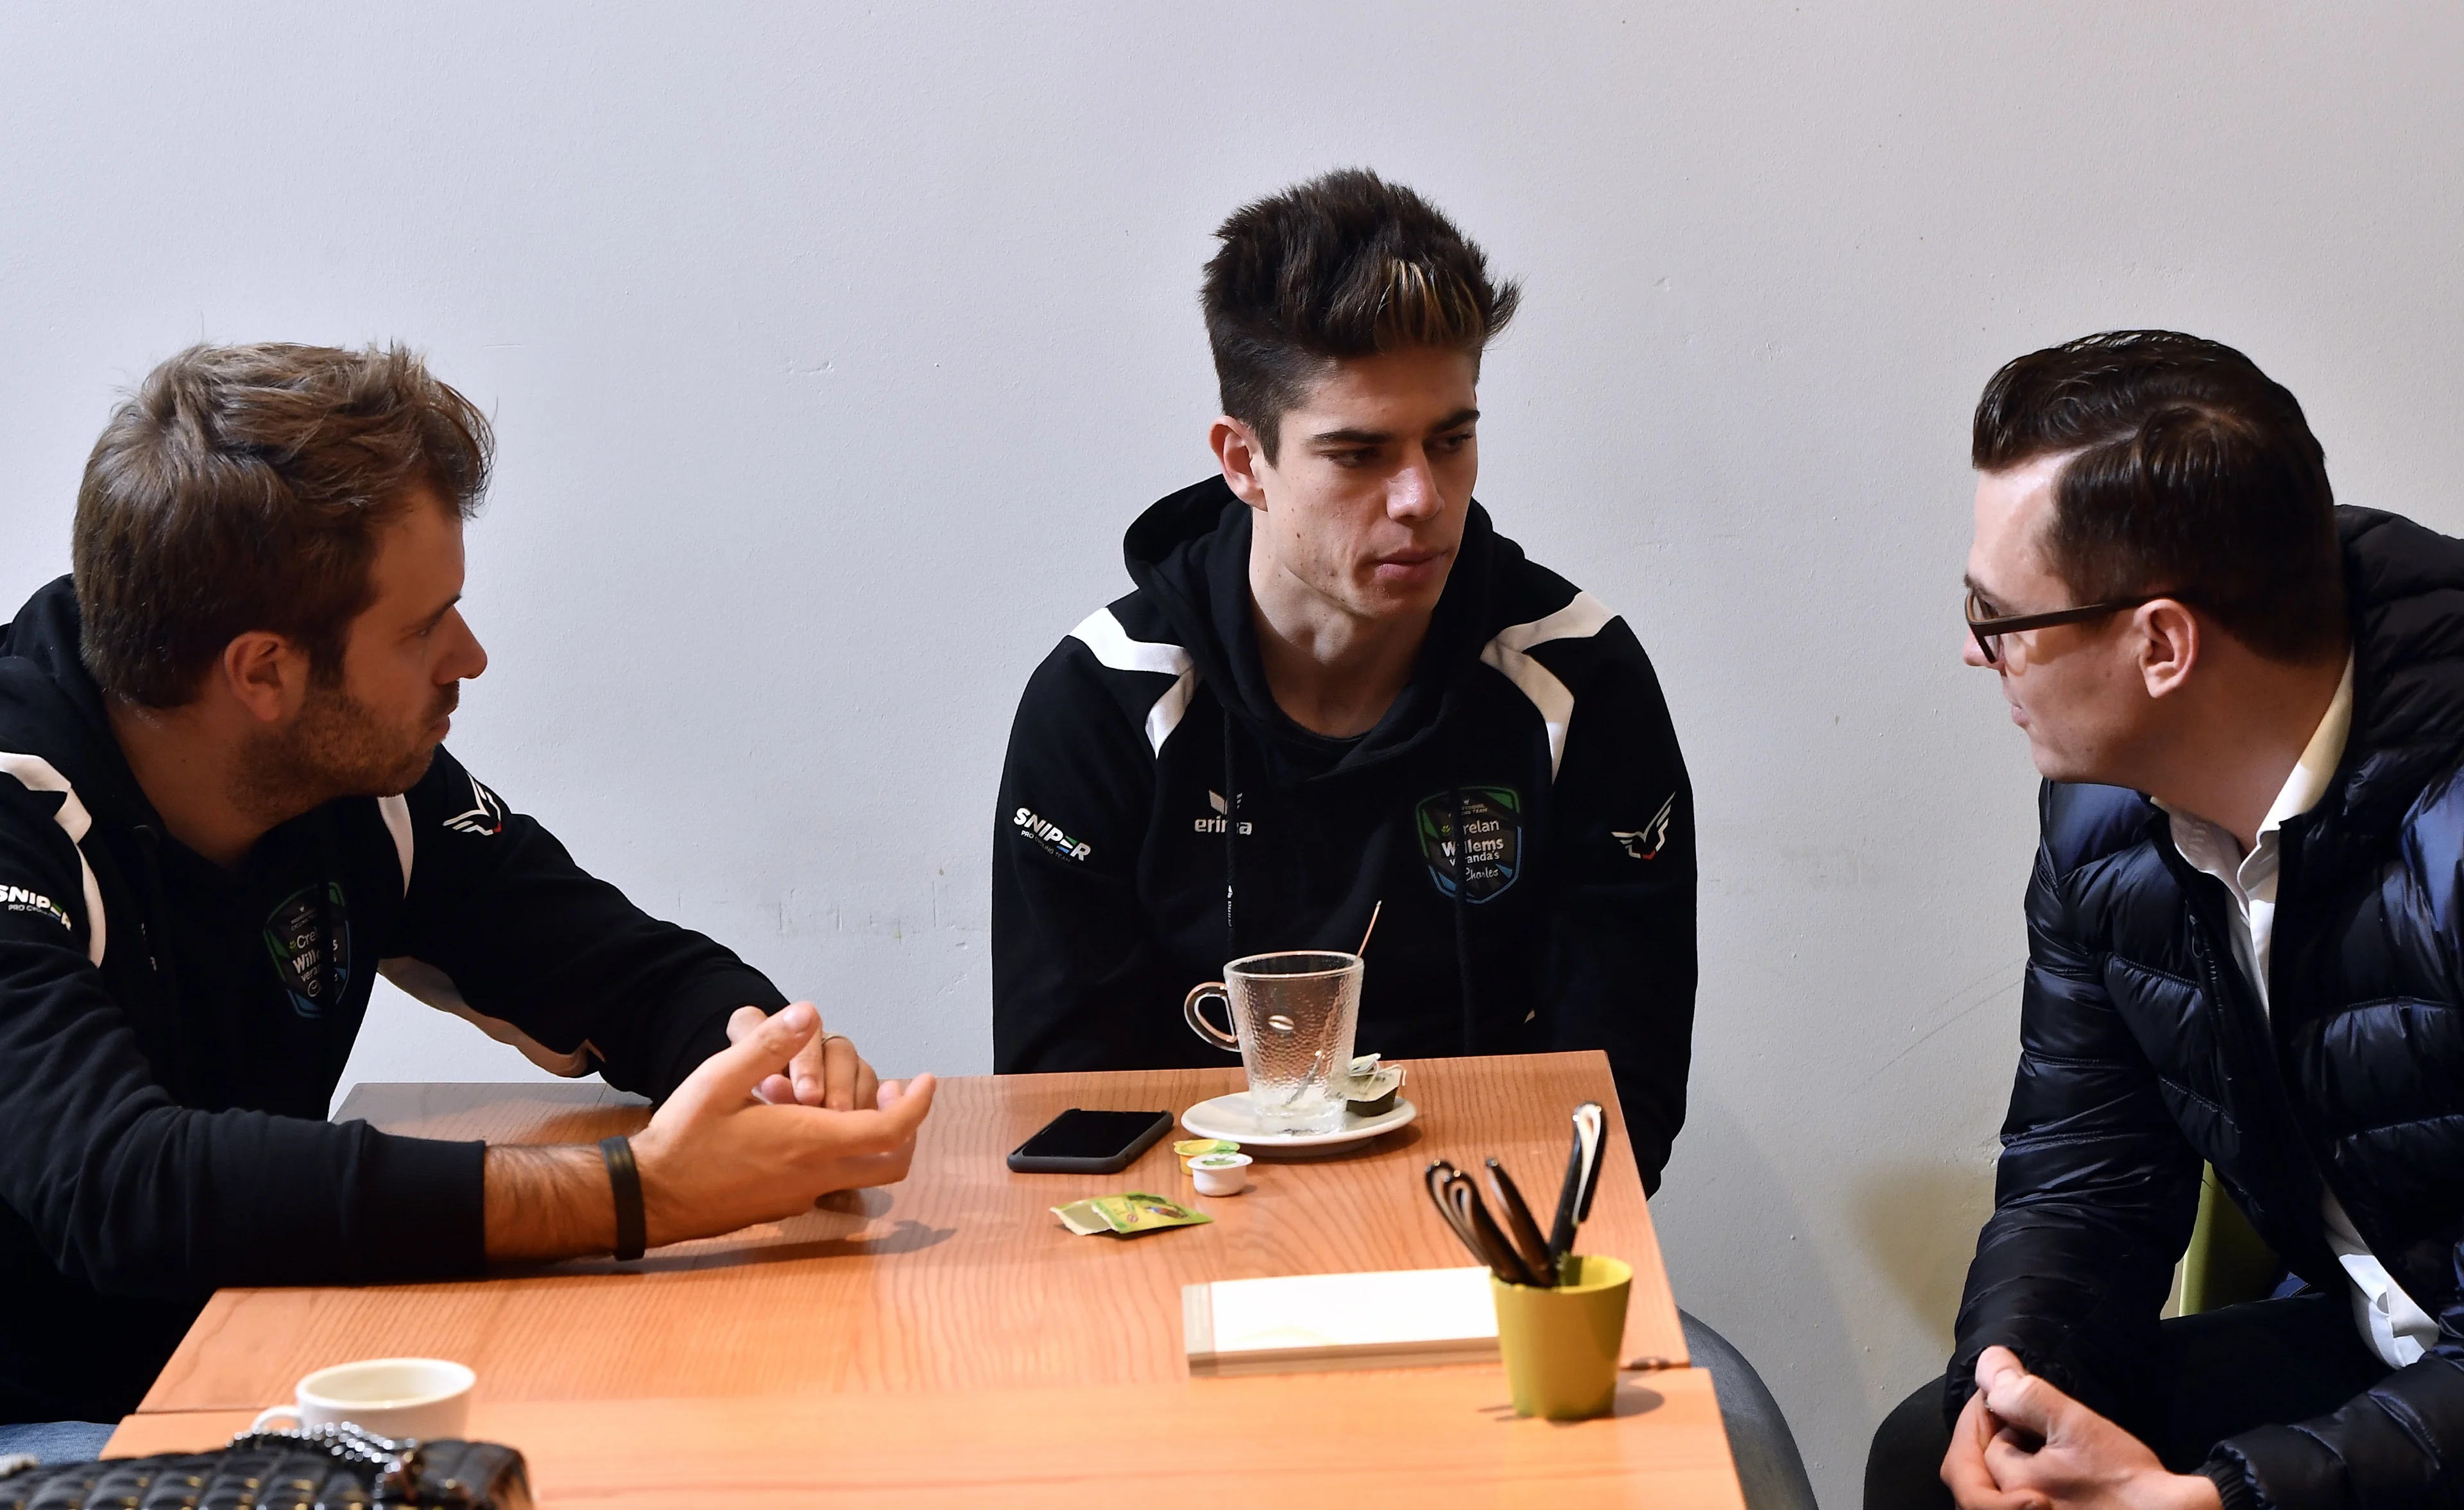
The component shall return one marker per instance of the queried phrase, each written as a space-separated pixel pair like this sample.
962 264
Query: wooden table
946 1339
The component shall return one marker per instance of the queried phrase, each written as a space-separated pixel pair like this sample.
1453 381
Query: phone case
1024 1162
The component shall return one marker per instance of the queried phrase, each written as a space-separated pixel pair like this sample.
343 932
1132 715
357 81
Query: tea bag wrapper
1127 1214
1080 1217
1371 1087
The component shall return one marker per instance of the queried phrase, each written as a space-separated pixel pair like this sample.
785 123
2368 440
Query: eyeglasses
1990 630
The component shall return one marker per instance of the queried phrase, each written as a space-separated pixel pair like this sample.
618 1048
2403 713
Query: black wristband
632 1229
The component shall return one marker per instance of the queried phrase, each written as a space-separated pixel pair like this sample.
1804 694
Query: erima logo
1222 819
484 816
1644 843
17 899
1049 835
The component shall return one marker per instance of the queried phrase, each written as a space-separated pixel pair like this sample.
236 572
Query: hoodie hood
2405 584
46 632
1190 553
50 704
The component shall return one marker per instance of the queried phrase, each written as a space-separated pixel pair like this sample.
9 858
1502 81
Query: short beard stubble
337 747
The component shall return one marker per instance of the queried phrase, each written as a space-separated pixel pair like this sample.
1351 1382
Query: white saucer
1233 1117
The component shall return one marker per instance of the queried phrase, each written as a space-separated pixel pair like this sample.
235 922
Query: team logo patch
485 815
1031 825
1645 842
309 936
17 899
1486 858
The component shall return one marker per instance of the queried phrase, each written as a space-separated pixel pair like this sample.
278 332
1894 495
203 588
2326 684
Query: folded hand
825 1072
717 1155
2021 1444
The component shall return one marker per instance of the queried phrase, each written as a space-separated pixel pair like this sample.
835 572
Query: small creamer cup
429 1398
1561 1344
1220 1174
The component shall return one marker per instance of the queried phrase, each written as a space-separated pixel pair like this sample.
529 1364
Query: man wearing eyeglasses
2246 949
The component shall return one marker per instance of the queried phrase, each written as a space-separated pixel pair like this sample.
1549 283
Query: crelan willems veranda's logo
308 934
1490 846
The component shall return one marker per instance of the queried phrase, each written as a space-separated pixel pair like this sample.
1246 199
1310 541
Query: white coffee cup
429 1398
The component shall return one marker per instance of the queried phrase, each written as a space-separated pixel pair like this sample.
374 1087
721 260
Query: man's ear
1238 452
266 674
2167 639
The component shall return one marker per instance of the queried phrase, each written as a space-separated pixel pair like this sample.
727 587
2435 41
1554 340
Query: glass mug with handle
1292 1013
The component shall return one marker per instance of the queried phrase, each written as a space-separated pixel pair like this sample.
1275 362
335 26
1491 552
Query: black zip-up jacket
2142 1053
1145 836
171 1033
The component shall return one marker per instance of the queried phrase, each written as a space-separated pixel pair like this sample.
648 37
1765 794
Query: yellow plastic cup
1561 1345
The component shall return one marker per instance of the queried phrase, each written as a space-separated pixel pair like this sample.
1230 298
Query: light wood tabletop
956 1303
1423 1440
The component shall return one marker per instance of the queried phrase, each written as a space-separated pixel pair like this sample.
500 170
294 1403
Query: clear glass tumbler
1292 1016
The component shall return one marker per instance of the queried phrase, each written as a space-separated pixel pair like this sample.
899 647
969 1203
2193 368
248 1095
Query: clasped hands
2021 1444
783 1115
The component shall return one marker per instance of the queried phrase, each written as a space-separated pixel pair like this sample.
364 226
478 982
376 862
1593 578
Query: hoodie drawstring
1462 889
158 956
1462 931
1231 839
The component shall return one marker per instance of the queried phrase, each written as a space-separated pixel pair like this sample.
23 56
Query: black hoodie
1144 838
171 1033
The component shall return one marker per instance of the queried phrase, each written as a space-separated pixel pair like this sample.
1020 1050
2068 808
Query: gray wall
833 348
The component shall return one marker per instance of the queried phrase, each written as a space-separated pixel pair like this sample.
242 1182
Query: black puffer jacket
2142 1053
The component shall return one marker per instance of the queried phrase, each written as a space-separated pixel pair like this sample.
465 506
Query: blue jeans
1769 1467
55 1441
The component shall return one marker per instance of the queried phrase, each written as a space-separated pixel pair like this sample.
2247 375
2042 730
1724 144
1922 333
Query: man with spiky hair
1333 665
1337 685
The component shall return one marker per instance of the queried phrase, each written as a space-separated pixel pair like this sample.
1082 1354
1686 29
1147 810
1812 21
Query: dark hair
241 487
2191 473
1345 265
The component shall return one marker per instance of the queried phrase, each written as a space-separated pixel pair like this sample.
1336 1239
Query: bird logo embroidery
485 815
1644 842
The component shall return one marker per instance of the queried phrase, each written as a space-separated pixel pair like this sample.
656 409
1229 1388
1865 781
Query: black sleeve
1075 979
2398 1443
527 936
132 1194
2095 1193
1619 972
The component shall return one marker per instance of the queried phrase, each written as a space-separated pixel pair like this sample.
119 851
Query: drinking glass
1292 1016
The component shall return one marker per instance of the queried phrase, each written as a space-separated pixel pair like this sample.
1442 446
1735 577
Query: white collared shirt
2390 1322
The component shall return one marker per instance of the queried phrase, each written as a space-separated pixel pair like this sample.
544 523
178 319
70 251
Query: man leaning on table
1334 667
2246 948
224 808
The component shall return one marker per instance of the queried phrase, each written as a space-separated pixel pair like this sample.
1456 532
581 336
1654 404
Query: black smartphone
1083 1142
